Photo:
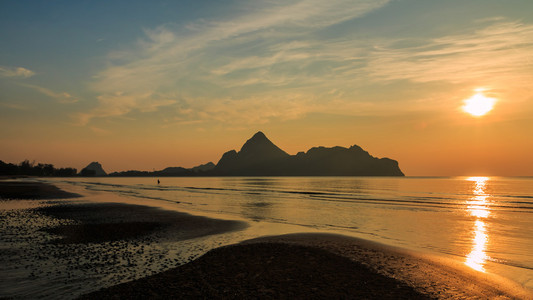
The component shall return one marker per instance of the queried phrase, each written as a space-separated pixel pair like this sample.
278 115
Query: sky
150 84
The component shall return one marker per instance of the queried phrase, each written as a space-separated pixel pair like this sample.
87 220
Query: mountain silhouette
203 168
93 169
340 161
260 157
254 158
172 171
168 172
259 147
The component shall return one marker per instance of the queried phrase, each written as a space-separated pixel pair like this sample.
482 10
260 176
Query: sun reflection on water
479 207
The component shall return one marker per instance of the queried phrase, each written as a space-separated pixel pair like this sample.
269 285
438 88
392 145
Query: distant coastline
257 157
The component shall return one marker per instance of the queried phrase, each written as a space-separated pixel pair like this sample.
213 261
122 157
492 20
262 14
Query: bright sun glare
479 104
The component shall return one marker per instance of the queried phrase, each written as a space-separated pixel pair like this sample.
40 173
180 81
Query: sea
484 222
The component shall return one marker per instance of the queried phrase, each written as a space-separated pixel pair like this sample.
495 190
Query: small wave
517 196
512 264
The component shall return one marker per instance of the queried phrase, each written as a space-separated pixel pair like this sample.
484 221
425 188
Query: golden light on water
479 104
478 207
477 257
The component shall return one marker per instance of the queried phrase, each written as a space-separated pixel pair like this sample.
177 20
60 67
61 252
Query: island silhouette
260 157
93 169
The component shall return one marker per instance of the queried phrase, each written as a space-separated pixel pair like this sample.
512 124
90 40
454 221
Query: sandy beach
108 238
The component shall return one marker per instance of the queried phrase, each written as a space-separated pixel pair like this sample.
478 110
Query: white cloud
15 72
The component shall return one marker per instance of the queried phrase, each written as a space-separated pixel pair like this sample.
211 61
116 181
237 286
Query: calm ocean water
485 222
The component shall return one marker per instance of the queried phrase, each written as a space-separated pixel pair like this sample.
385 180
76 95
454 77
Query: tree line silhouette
32 169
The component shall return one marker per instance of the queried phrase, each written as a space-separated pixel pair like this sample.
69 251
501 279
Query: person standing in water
158 181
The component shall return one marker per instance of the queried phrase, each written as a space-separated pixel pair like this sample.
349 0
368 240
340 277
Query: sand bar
265 271
434 276
104 222
317 266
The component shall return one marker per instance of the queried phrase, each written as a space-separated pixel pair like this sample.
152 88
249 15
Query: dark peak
95 169
260 144
355 147
359 150
259 136
257 140
94 165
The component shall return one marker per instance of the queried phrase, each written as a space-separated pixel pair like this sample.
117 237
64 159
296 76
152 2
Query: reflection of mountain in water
260 157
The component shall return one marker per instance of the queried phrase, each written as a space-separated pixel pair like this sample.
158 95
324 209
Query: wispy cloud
62 97
15 106
500 51
251 110
15 72
274 61
100 131
118 104
208 56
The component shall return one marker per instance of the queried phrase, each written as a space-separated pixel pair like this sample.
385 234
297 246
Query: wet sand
62 248
16 190
265 271
106 222
79 247
434 276
316 266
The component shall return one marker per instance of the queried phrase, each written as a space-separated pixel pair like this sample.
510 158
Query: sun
478 105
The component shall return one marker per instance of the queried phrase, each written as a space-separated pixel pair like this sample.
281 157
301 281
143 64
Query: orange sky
161 86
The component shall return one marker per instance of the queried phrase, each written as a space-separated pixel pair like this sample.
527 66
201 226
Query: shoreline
109 222
71 246
399 271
